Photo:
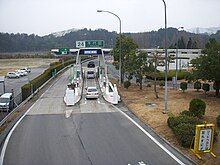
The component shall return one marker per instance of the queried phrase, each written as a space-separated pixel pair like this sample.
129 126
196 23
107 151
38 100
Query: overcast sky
43 17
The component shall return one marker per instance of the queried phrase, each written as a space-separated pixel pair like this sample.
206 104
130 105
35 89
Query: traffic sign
80 44
64 50
95 43
90 44
203 140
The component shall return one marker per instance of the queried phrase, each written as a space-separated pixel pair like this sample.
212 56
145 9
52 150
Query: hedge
174 121
184 133
183 127
34 84
171 73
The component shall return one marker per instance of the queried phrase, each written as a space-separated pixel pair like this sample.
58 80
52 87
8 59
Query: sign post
203 140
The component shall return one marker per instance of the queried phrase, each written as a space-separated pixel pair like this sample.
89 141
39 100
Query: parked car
92 93
13 75
22 72
6 102
28 70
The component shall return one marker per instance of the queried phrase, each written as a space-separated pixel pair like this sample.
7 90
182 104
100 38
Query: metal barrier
3 121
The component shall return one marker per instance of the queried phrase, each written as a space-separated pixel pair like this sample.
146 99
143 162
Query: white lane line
9 135
151 137
14 127
99 102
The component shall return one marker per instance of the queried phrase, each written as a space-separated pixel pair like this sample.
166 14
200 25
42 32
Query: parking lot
14 85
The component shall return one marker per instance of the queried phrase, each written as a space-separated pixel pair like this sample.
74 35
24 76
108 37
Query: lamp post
165 95
120 56
177 54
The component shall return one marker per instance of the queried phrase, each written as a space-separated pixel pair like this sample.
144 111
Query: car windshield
90 72
91 65
92 90
4 100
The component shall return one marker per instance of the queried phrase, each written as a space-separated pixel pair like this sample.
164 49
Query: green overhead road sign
90 44
64 50
95 43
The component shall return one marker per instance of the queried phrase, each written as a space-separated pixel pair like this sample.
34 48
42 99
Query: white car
22 72
13 75
28 70
92 93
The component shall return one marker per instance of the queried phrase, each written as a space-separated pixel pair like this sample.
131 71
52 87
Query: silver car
12 75
90 74
92 93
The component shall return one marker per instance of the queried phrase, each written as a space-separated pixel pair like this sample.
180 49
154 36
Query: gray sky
43 17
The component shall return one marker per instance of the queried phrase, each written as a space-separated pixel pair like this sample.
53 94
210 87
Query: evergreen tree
207 66
189 44
181 43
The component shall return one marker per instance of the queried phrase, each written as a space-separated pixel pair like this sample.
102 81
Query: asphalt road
93 132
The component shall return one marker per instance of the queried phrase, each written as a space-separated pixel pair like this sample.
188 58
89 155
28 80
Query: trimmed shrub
197 85
187 113
189 77
206 87
184 133
218 121
127 84
197 107
183 86
174 121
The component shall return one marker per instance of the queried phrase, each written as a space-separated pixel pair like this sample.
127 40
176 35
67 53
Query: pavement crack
81 142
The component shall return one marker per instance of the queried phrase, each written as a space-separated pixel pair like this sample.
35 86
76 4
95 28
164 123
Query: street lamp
177 53
165 95
120 56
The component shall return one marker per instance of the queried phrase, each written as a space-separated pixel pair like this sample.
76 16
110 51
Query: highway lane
93 132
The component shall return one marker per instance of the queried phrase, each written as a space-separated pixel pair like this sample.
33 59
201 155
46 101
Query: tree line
26 43
139 64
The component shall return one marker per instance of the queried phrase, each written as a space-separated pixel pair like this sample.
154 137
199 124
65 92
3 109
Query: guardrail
30 97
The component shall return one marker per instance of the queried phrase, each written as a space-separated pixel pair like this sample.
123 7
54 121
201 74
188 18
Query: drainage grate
151 104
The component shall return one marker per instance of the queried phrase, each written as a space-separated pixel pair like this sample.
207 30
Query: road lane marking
68 113
16 124
151 137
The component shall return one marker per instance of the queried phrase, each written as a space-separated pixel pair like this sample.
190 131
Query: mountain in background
64 32
67 39
199 30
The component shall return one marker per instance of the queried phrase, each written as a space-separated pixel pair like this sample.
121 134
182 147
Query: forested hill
25 43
